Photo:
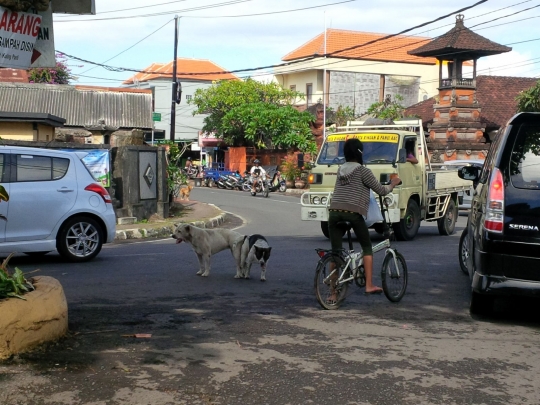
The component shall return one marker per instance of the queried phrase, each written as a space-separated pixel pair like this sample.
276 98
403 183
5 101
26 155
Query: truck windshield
379 148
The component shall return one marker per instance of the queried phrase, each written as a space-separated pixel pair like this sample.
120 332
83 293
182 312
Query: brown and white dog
207 242
185 191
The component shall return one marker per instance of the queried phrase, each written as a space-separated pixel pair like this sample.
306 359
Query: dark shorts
358 225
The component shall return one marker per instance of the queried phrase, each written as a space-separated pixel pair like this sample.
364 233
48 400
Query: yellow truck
426 194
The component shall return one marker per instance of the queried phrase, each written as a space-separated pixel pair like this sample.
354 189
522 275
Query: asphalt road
219 340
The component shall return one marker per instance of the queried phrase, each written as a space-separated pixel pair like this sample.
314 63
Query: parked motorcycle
232 181
277 183
221 182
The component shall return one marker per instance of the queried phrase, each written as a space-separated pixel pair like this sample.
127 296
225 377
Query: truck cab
425 194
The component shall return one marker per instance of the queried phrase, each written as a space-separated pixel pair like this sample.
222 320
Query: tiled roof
496 95
389 50
204 70
13 75
459 41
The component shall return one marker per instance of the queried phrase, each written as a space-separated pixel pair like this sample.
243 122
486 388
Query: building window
188 97
309 93
293 87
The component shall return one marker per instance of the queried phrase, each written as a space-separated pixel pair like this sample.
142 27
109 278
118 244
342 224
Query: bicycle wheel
394 284
325 286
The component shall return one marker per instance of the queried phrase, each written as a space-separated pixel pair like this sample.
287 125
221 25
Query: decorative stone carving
436 157
450 152
468 152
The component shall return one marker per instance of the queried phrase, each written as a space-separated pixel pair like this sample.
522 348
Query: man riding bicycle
257 174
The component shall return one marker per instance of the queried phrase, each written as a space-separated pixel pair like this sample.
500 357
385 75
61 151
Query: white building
359 69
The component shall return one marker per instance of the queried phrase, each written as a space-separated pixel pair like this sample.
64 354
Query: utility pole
174 98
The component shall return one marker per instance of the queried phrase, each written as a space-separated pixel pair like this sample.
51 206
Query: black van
504 220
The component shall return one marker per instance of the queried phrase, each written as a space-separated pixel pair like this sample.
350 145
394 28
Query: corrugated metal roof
80 108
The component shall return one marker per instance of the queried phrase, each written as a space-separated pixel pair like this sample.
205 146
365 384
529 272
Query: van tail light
96 188
494 220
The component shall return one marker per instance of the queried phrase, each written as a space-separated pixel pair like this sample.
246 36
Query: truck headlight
388 200
316 200
324 200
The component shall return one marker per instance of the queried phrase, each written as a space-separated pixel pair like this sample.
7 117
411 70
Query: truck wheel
447 224
407 228
324 229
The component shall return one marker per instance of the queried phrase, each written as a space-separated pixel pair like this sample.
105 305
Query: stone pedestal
41 317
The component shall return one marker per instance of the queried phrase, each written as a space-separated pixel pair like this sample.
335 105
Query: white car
54 204
464 198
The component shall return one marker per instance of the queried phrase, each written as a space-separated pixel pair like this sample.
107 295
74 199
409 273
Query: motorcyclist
257 173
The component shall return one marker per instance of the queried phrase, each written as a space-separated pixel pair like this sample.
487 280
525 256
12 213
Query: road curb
166 230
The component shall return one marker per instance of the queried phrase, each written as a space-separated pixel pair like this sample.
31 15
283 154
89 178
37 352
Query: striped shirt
351 192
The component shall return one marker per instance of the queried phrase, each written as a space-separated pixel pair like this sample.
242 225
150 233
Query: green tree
529 100
388 109
61 74
251 113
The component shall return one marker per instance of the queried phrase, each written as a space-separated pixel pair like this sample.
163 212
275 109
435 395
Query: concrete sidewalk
195 212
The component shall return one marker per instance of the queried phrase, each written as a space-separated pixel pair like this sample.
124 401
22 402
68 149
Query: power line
198 8
132 8
119 69
135 44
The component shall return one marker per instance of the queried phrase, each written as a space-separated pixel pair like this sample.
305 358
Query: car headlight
324 200
316 200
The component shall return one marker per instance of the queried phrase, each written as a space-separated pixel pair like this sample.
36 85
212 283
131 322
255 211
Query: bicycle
336 270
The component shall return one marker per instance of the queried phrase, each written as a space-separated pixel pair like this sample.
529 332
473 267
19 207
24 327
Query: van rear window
525 158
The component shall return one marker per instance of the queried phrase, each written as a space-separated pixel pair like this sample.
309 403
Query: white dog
207 242
255 249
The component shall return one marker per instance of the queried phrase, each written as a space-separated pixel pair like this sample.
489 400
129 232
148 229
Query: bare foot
374 290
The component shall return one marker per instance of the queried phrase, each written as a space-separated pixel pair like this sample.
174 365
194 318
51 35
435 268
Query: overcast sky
244 34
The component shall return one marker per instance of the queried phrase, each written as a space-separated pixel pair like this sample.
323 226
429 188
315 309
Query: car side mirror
469 173
402 155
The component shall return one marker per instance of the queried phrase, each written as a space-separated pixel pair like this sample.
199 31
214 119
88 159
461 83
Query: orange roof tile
389 50
190 69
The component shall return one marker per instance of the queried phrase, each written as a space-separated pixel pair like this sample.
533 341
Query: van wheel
447 224
407 228
80 239
481 304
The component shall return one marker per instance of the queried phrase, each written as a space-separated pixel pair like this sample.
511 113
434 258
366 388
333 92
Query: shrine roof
459 41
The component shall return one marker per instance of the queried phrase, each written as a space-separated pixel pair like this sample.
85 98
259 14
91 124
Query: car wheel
481 304
447 224
464 250
407 228
80 239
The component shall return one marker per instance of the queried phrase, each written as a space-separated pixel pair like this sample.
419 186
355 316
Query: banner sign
18 34
97 163
366 137
44 55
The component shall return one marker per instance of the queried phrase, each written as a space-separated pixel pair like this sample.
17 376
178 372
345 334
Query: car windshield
379 148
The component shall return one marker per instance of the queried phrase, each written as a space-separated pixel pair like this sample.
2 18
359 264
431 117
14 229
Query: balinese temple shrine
457 131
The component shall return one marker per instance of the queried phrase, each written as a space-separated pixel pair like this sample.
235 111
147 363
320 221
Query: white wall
187 126
306 72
